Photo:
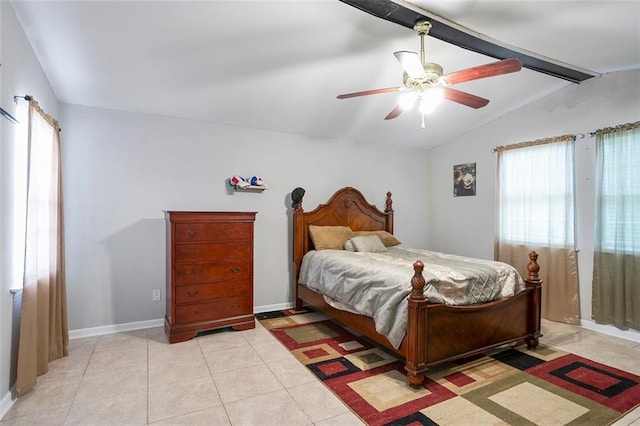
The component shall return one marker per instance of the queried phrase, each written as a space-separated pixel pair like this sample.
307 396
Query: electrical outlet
155 295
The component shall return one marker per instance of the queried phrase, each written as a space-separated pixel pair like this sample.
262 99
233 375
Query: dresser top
190 216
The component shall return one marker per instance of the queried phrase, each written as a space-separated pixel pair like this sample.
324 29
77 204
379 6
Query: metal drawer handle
192 233
193 271
191 294
235 270
235 287
190 252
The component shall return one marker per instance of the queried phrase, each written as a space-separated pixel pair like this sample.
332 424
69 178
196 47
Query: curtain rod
603 130
29 98
543 141
8 116
584 135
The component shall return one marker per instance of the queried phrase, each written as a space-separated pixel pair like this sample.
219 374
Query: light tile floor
224 378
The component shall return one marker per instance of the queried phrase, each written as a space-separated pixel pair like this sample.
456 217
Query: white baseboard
115 328
270 308
611 330
139 325
6 403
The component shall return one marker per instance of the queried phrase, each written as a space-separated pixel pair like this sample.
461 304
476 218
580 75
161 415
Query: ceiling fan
425 82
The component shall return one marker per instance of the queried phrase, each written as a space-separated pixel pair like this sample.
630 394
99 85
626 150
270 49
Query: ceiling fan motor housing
431 77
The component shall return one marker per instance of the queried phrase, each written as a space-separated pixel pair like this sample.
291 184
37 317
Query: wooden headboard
346 207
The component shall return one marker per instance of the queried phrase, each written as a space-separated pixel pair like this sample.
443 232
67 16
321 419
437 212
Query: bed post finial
388 203
388 223
533 266
417 281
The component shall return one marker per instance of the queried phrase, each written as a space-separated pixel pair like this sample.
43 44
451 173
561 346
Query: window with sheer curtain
536 211
616 268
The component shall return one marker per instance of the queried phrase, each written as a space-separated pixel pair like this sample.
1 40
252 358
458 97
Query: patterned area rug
512 386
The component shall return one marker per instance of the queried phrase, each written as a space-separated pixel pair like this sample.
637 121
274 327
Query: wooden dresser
209 272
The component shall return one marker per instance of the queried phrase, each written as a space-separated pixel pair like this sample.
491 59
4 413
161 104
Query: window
19 191
618 192
536 194
40 154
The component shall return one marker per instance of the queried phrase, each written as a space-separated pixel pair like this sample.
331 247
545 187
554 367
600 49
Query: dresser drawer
208 291
217 309
202 272
211 251
223 231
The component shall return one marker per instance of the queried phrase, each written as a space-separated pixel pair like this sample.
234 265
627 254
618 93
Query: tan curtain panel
44 334
559 275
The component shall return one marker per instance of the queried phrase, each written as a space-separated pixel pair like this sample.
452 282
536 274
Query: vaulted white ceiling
279 65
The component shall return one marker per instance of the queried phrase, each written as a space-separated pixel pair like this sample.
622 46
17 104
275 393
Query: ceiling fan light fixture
407 100
426 107
430 99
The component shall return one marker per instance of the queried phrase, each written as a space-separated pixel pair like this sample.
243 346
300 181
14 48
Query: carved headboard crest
348 202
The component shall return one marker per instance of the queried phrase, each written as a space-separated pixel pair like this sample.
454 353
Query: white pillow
349 246
369 243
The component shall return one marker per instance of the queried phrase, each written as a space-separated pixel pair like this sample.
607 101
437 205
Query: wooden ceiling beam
408 15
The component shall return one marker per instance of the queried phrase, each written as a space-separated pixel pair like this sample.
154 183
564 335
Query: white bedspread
378 284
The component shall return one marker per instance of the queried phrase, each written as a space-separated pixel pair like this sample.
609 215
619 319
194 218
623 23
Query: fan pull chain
422 126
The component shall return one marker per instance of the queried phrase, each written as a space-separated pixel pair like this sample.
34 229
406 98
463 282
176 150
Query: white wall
20 74
121 170
467 225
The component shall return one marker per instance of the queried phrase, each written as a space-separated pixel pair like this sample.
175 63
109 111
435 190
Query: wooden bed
435 333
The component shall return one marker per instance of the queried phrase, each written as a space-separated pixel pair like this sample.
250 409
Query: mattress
378 284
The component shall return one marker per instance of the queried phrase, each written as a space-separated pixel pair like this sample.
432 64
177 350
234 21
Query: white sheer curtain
536 211
616 266
44 334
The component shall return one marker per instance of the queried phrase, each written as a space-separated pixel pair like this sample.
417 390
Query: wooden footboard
435 333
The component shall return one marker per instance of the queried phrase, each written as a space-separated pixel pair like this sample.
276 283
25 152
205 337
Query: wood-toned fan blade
394 113
465 98
410 63
368 92
505 66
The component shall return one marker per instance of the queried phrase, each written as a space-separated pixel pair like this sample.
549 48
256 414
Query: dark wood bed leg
416 335
533 281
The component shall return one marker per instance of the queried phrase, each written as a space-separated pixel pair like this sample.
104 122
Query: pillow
388 239
348 245
368 243
329 237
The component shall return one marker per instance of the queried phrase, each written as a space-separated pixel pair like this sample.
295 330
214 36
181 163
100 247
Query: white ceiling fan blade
411 63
